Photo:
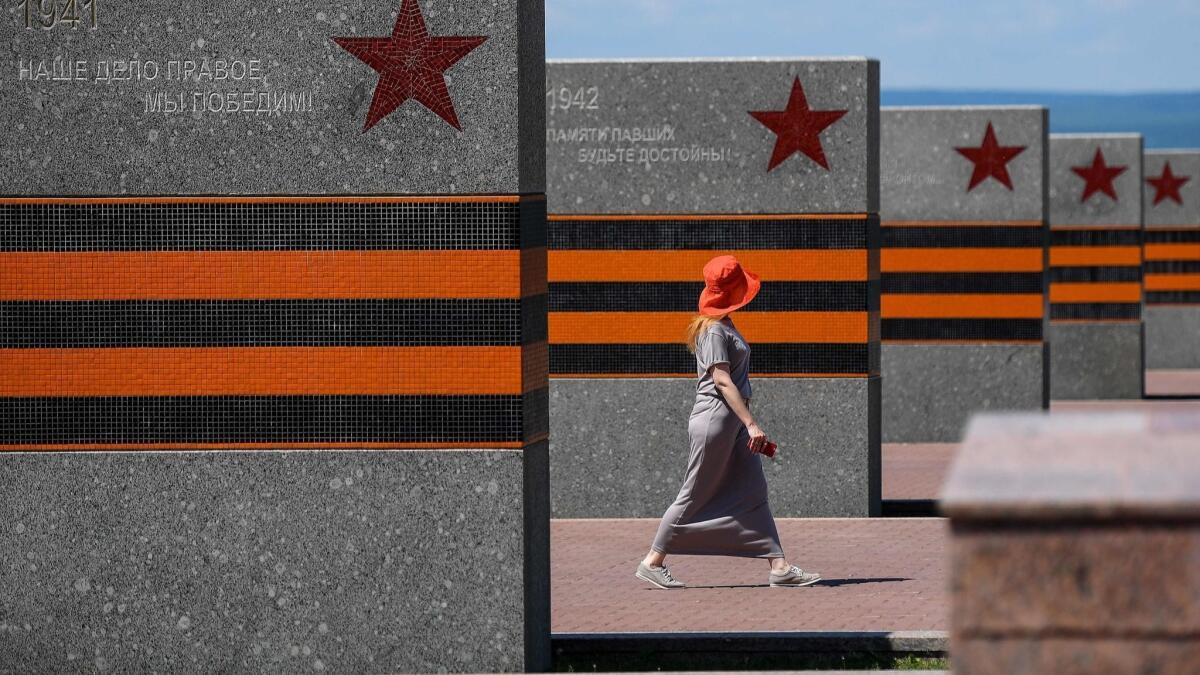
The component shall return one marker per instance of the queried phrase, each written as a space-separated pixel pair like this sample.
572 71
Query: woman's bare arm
733 398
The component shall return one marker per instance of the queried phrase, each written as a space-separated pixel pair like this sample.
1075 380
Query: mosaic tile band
180 323
1172 266
962 282
1096 274
623 288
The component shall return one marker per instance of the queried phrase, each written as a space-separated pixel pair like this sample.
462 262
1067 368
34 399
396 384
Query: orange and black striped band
623 288
272 322
1172 266
962 281
1096 273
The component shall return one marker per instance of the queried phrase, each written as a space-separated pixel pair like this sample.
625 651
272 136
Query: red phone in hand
769 449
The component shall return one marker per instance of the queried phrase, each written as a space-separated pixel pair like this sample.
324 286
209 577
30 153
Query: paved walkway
916 470
1173 383
879 575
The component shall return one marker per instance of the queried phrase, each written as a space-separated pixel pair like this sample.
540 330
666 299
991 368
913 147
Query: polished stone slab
1172 337
1096 361
1160 207
619 447
1067 188
677 136
924 176
305 561
930 392
227 99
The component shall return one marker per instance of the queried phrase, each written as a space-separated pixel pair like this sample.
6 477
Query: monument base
1095 360
1172 337
931 391
625 451
301 561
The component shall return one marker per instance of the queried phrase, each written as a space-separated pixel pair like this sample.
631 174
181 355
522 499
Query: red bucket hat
727 286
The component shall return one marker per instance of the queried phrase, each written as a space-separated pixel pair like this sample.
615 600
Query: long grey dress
722 507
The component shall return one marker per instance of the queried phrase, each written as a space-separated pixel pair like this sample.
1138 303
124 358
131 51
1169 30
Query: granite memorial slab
1073 543
963 209
1096 266
1171 259
653 168
274 357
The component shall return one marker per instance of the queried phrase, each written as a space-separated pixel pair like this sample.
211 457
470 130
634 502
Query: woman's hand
758 438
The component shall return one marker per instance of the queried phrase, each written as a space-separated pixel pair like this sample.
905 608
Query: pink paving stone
915 470
1173 383
879 575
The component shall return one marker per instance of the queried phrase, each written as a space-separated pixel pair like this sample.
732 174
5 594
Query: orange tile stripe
560 217
260 371
1173 282
221 275
961 306
771 265
961 260
1172 252
1087 256
669 327
269 199
1062 292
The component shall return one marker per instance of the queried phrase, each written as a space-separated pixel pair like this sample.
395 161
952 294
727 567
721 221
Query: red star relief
1167 184
411 64
798 128
1098 177
991 159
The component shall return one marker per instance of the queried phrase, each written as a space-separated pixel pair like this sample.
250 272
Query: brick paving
915 470
1173 383
879 575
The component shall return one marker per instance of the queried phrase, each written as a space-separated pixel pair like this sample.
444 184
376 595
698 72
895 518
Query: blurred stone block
1076 544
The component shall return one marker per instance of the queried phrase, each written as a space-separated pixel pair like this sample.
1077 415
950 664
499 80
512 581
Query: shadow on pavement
823 582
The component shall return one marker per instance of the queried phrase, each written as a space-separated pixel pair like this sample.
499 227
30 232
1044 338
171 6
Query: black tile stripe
696 234
962 329
272 226
1106 274
262 419
962 282
1095 311
675 359
263 323
775 296
1173 236
1171 267
1095 237
962 237
1173 298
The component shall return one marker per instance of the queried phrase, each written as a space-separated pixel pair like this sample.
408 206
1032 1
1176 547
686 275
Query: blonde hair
698 327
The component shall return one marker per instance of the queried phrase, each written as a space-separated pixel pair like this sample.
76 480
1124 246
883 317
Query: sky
1052 45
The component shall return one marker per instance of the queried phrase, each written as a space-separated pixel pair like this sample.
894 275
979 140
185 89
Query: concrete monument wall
273 380
963 209
1171 259
653 168
1096 266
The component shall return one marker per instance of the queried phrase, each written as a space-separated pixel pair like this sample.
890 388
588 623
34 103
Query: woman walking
722 507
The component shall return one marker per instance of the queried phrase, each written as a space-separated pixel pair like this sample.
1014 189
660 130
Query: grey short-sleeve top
722 343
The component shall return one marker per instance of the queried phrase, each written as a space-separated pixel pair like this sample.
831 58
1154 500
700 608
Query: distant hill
1167 120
